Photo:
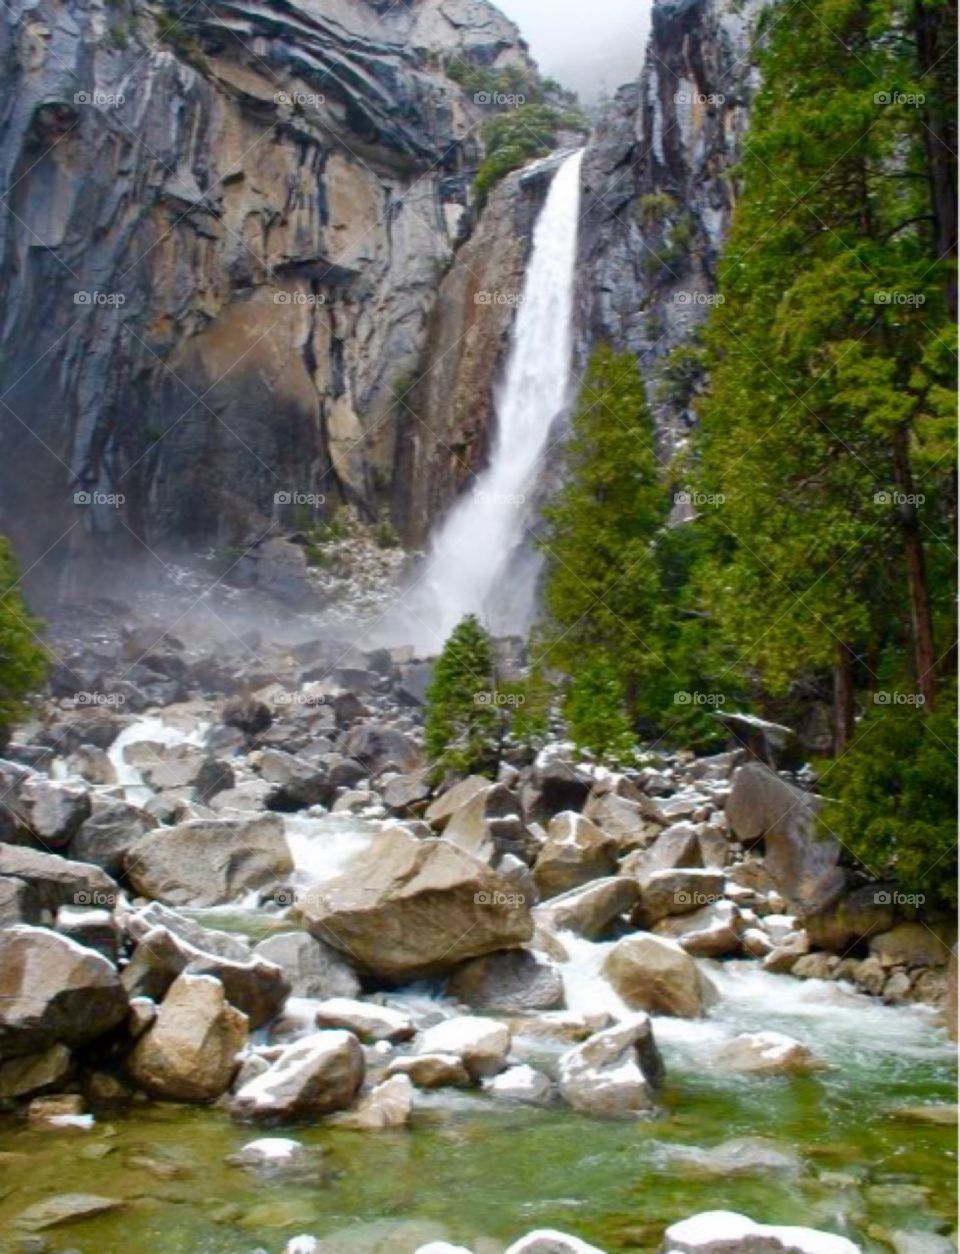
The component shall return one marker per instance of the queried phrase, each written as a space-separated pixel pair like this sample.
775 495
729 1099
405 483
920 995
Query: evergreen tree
463 725
23 660
603 586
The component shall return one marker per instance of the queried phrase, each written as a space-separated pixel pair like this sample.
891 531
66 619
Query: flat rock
65 1208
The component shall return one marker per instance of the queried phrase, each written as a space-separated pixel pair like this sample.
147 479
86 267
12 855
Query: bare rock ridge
223 232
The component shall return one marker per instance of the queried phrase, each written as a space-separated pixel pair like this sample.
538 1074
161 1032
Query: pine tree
23 660
463 725
603 586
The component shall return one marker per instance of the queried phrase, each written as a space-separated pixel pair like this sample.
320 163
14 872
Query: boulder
376 746
270 1155
616 1072
678 805
765 1053
520 1084
511 982
65 1208
677 846
54 990
590 910
489 826
432 1071
851 921
711 932
112 827
619 817
209 862
315 1076
548 1241
804 868
913 945
784 957
368 1022
677 891
51 810
482 1044
18 903
253 985
189 1053
554 786
440 810
92 764
406 795
247 715
725 1232
408 907
654 974
576 851
137 923
21 1077
312 968
388 1105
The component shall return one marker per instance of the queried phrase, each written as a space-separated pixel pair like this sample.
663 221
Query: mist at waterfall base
481 560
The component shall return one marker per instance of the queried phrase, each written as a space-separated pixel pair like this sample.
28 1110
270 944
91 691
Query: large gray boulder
489 826
590 910
654 974
511 982
54 990
313 968
377 746
804 867
616 1072
111 828
253 985
316 1076
576 851
209 862
409 907
52 881
50 810
189 1052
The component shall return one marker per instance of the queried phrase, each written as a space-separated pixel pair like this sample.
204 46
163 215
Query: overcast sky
587 46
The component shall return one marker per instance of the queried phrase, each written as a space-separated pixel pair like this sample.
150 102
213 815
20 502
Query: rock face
255 208
189 1052
209 862
658 198
54 990
411 907
656 975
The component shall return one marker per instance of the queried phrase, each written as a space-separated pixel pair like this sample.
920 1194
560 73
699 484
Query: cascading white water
476 561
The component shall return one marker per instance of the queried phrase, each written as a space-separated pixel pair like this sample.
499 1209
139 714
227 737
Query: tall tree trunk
918 592
843 707
935 31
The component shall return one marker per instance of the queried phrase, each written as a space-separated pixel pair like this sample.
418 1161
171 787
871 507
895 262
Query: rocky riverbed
262 986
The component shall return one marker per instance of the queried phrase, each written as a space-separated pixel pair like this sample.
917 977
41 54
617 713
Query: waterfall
478 561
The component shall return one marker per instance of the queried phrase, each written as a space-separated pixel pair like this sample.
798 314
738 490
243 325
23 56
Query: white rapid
478 561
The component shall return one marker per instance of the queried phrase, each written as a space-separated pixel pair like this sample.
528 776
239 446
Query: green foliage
23 659
463 723
893 799
596 711
172 31
518 135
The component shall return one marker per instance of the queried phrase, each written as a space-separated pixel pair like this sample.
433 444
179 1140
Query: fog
592 48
